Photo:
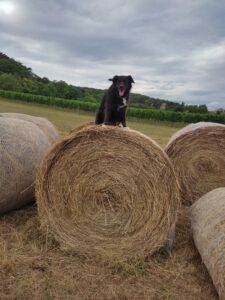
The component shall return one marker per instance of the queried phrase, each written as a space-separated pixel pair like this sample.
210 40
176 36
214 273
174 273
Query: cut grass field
32 266
65 120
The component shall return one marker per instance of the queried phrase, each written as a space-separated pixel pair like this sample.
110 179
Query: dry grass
65 119
32 266
198 154
108 192
22 147
208 223
47 127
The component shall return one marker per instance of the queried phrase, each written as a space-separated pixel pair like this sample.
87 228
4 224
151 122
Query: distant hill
15 76
10 66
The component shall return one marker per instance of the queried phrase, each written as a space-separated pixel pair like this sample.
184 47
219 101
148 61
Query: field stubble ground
33 267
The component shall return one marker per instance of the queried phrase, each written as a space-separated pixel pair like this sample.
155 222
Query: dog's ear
114 79
131 79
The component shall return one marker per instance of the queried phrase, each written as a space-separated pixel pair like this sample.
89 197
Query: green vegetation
11 66
14 76
67 119
142 113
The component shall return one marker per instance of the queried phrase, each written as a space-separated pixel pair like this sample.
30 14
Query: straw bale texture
22 146
46 126
208 225
198 154
107 192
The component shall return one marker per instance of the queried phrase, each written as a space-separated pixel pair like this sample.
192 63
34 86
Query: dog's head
122 84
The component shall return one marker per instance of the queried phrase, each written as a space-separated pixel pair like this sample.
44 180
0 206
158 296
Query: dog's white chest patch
124 101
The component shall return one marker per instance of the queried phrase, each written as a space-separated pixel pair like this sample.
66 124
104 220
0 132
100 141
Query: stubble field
32 266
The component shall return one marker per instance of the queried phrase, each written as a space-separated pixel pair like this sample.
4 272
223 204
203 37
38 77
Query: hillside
15 76
11 66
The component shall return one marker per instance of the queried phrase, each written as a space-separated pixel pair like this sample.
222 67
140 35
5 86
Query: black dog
113 107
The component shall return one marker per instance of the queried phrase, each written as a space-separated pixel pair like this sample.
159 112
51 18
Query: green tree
9 82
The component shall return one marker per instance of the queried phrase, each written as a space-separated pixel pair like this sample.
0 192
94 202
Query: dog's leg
107 119
99 119
124 120
124 123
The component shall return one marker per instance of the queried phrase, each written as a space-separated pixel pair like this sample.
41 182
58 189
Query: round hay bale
45 125
107 192
198 154
208 225
22 146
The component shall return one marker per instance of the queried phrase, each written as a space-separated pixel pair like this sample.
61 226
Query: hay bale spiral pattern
108 192
198 154
208 224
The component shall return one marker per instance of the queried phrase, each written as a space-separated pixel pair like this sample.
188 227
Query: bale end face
108 192
197 152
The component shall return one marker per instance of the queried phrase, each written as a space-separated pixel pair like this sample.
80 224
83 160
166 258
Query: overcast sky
174 49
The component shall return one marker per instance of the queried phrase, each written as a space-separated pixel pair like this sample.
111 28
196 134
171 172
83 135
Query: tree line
145 113
14 76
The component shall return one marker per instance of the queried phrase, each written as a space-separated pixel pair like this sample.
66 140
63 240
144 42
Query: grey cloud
166 45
